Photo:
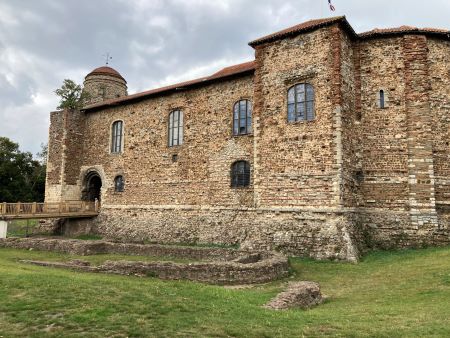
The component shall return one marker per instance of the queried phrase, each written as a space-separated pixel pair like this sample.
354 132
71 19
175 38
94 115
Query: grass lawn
389 294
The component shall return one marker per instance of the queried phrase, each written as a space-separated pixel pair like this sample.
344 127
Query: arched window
240 174
119 184
242 117
381 103
117 137
301 102
175 128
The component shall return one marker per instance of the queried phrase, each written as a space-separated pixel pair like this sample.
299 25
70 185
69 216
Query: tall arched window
117 137
175 128
301 102
240 174
119 184
242 117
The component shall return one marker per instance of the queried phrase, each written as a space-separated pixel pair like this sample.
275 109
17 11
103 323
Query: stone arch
92 186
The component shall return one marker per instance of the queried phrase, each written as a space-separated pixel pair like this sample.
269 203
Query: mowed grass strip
389 294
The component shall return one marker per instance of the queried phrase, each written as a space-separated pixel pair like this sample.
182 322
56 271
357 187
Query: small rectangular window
240 174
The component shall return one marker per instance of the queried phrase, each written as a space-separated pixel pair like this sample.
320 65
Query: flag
331 6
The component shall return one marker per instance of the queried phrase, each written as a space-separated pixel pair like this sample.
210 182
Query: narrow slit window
175 128
117 137
382 102
242 118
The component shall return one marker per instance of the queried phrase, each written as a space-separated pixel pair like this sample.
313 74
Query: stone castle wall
358 175
296 162
406 148
320 233
350 161
65 155
439 72
384 181
201 173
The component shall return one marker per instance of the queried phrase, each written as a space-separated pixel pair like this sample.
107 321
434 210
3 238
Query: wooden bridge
66 209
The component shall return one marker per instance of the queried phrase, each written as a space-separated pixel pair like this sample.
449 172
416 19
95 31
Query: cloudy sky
152 42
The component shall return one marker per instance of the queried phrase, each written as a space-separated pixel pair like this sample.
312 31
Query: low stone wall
394 230
84 248
317 234
224 266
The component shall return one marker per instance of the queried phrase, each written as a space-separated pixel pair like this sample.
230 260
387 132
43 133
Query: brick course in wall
357 175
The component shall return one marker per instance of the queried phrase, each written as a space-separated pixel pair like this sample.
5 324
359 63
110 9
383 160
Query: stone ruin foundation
213 265
304 295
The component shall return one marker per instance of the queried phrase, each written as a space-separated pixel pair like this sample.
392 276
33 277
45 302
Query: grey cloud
152 42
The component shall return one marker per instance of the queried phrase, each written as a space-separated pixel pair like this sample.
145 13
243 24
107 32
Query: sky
152 43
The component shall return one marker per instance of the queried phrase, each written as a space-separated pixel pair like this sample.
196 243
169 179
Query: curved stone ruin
212 265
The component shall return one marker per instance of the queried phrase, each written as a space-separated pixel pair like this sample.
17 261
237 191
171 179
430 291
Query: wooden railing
48 210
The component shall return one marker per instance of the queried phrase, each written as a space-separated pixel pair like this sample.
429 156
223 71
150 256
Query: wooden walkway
66 209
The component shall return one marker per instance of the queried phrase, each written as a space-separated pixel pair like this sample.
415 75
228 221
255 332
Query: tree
43 154
40 173
21 177
72 95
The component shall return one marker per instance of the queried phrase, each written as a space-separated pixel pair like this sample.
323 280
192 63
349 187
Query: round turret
104 83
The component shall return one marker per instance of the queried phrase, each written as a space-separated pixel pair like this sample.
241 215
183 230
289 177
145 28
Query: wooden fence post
28 225
18 208
33 208
4 208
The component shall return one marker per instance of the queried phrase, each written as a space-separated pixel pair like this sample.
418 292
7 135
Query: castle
327 143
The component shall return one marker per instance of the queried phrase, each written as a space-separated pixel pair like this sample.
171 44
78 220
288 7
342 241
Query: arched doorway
93 186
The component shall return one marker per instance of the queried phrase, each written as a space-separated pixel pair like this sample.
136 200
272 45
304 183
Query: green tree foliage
40 174
71 95
21 177
43 154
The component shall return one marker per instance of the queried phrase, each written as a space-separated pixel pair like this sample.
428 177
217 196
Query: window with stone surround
240 174
301 103
242 117
175 128
119 184
117 137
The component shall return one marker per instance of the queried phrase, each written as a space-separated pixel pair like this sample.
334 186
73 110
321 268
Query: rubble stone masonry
359 175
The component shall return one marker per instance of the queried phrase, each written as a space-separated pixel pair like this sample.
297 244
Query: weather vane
332 8
107 57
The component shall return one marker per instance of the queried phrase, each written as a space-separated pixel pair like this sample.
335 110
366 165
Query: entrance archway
93 186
